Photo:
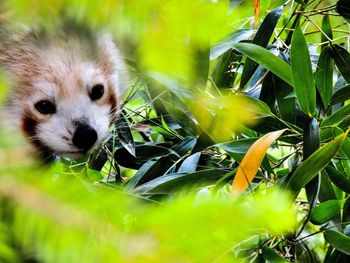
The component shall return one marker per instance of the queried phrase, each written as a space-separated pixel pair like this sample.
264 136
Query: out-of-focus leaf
343 8
342 59
257 8
338 241
325 211
227 43
165 183
303 79
189 165
124 134
265 58
324 75
261 38
252 160
337 116
314 164
218 117
341 95
338 178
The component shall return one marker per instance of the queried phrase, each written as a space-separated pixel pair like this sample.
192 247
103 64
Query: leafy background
229 101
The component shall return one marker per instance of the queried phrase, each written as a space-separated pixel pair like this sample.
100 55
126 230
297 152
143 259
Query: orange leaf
257 8
250 164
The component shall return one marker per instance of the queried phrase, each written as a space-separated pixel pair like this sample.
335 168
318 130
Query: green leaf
324 75
314 164
261 38
124 134
338 241
182 118
342 59
185 145
303 79
151 170
325 211
326 28
341 95
189 165
271 256
173 181
338 178
143 154
337 117
267 59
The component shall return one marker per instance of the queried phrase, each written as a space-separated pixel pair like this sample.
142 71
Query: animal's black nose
84 136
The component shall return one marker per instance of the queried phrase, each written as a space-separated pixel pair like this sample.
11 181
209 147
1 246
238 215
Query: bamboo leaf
261 38
303 79
338 241
337 116
252 160
342 59
324 75
341 95
267 59
314 164
325 211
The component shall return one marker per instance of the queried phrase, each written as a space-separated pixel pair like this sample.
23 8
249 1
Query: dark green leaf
176 180
267 59
311 142
342 59
261 38
303 79
343 8
341 95
185 145
271 256
143 154
223 76
325 211
151 170
338 241
324 75
338 178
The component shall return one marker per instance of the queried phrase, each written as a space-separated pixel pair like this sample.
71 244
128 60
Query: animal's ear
112 63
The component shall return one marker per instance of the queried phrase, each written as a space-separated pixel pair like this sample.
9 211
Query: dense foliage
209 131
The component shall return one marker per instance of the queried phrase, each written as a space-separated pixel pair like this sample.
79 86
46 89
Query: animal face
65 95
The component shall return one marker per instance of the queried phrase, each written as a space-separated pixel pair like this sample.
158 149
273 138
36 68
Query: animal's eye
45 107
97 92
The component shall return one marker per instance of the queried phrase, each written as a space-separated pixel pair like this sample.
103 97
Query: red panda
65 90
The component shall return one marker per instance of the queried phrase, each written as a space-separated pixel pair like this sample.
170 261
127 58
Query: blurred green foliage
159 189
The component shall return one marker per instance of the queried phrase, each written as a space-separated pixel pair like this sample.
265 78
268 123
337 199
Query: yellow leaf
250 164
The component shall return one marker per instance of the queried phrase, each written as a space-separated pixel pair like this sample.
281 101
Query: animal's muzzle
84 136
